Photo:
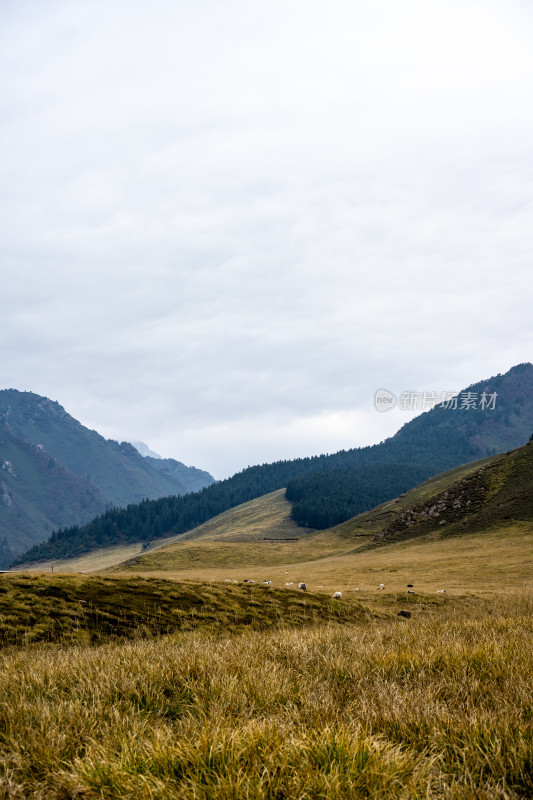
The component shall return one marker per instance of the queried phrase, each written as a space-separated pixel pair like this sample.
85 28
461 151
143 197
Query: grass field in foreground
436 706
81 610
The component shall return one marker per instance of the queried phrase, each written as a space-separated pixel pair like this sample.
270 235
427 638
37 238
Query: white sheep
337 596
267 583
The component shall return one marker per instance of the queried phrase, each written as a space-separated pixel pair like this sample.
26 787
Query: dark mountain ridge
37 494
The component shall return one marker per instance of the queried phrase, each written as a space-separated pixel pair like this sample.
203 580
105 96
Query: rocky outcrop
5 495
8 467
454 505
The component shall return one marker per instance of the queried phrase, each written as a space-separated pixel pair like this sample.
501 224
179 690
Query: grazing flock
336 595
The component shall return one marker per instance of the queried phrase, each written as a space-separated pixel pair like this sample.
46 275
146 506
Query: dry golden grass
266 516
90 562
495 561
438 706
67 609
264 693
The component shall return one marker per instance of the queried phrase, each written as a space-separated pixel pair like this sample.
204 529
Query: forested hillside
342 484
328 498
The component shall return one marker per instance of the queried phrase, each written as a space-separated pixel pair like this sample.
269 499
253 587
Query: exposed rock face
5 495
453 505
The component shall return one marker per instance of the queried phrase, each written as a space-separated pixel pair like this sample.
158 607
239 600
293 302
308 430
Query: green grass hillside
265 521
260 541
496 495
90 610
261 532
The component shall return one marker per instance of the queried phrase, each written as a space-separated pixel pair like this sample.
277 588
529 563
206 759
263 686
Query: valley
191 664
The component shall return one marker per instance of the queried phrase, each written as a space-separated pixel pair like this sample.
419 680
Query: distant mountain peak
144 450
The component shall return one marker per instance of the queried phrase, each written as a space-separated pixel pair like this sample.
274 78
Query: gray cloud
225 225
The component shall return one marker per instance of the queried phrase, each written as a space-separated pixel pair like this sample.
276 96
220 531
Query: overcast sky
225 224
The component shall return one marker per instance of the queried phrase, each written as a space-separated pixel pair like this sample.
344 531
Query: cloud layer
226 224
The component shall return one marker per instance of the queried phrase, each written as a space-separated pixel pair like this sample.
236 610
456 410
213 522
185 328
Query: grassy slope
261 533
81 610
478 562
267 516
240 533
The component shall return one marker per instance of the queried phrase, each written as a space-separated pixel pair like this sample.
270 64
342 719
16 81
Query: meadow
168 677
372 706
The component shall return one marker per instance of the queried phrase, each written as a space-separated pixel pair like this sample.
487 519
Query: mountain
192 478
56 472
37 494
262 534
433 442
470 527
144 450
335 486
